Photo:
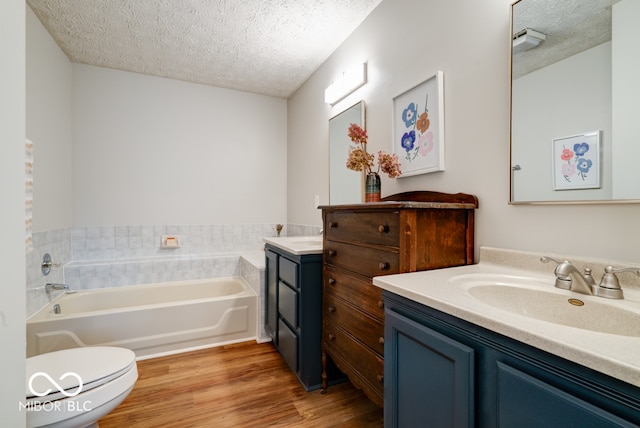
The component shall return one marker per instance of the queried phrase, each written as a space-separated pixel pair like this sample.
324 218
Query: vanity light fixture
346 84
527 39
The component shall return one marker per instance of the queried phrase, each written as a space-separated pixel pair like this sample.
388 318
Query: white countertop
615 355
298 245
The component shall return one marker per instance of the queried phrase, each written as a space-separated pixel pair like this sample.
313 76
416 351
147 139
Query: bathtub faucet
53 286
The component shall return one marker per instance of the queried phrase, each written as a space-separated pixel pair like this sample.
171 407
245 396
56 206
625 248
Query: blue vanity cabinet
294 311
441 371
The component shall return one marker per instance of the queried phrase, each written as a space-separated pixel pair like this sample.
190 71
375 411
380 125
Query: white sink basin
535 299
298 244
309 239
305 242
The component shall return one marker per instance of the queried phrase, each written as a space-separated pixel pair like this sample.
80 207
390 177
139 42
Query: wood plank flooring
241 385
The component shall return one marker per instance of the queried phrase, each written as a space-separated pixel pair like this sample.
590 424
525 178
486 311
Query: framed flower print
576 162
418 127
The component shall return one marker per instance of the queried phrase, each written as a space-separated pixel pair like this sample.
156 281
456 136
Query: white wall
49 127
405 42
12 260
149 150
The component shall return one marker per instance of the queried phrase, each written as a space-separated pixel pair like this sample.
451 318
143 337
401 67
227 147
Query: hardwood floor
240 385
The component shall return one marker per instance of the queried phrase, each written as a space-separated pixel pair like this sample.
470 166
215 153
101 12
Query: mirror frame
511 166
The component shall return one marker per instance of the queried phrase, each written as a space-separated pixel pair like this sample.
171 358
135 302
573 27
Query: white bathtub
151 320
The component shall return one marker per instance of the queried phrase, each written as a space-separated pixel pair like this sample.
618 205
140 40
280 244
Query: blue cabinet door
429 377
527 402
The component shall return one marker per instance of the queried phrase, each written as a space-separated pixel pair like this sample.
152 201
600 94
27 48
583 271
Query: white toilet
74 388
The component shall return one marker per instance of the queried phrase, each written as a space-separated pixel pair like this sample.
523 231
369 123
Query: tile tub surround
128 255
96 257
57 243
610 354
127 242
146 270
133 242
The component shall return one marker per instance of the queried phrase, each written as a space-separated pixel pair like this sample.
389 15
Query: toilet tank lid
64 370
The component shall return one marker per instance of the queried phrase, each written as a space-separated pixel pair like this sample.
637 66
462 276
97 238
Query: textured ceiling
267 47
571 26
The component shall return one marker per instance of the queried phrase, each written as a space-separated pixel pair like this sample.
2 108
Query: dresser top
414 200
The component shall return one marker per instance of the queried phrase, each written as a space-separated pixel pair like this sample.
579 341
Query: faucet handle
561 266
609 286
610 280
562 280
47 264
547 259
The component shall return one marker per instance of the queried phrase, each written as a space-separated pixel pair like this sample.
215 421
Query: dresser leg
323 385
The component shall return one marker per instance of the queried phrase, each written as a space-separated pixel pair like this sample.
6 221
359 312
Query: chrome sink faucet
568 277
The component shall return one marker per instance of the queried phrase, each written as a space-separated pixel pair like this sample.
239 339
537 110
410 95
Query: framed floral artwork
418 127
576 162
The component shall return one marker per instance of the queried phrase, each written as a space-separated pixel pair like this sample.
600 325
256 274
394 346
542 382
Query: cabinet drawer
363 260
368 364
288 304
366 329
365 295
288 271
373 227
288 345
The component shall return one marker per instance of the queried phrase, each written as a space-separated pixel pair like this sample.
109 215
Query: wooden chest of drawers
403 233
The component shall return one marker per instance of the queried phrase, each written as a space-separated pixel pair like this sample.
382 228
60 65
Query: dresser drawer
366 329
359 358
366 261
372 227
360 291
288 271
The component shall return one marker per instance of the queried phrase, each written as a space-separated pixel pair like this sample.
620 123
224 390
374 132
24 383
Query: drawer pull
332 281
384 266
332 225
331 309
381 340
332 336
332 252
380 378
381 303
383 228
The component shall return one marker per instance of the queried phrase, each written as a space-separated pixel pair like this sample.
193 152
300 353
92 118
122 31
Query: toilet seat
91 366
107 374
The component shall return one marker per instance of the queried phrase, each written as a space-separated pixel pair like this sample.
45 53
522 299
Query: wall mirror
345 185
574 86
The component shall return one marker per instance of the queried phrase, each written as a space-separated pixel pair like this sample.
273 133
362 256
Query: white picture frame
575 162
418 127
